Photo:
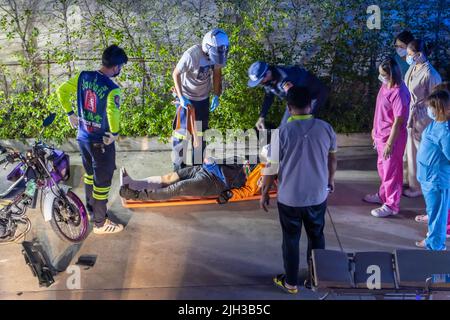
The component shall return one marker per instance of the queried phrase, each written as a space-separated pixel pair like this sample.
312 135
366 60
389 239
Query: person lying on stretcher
224 181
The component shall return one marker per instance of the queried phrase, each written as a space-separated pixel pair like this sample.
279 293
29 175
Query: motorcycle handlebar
43 145
11 157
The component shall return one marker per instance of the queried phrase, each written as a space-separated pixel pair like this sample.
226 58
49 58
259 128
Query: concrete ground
203 252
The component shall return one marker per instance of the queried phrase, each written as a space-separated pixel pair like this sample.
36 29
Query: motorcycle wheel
69 218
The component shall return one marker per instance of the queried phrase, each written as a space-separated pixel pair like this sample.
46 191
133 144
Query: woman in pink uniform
389 135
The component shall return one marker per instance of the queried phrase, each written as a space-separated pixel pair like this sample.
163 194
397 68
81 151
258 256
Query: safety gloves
185 102
214 103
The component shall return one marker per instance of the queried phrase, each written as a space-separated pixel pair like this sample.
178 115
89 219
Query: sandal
421 244
280 281
422 218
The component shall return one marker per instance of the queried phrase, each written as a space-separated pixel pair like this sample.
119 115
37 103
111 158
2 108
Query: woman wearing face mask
423 218
420 79
401 43
389 135
433 169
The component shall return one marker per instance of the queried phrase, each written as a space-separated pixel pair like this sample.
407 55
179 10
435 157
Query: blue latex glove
214 103
185 102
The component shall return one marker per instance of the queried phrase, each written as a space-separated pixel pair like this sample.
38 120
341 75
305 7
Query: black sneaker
307 284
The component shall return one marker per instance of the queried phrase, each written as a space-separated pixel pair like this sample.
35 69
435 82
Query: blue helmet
256 73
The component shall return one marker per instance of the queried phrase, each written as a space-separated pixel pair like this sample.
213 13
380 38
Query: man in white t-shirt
192 77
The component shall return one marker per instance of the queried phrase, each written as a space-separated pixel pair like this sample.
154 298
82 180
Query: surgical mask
118 72
431 113
410 60
401 52
382 79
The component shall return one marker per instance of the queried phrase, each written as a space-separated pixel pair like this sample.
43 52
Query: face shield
218 55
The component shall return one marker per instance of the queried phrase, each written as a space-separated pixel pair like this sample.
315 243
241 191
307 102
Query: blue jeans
292 219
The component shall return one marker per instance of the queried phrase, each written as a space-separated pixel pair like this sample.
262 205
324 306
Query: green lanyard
300 117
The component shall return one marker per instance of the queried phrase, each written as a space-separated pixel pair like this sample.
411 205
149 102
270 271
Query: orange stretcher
183 201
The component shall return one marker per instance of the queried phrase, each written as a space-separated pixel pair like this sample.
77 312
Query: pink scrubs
391 103
448 223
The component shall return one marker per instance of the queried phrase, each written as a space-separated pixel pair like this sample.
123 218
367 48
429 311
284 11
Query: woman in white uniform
420 79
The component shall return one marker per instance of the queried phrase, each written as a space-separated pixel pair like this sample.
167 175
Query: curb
152 144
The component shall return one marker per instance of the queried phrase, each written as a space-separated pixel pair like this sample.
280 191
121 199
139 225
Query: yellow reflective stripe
102 190
178 135
88 179
199 134
100 197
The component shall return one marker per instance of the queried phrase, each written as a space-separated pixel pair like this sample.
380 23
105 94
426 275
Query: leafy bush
330 38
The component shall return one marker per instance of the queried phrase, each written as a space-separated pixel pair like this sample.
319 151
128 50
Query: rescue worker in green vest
97 118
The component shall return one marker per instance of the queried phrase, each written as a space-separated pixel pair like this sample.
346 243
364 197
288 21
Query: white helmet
215 44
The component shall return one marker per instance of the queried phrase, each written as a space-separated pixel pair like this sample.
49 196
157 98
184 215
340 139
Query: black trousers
99 162
194 181
292 219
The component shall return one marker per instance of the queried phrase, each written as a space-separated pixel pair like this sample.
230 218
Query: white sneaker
108 228
412 193
383 212
373 198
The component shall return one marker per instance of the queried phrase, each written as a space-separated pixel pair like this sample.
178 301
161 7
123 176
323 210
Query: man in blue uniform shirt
277 80
98 121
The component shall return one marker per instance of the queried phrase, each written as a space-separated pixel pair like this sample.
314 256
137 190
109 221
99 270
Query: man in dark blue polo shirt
303 155
277 80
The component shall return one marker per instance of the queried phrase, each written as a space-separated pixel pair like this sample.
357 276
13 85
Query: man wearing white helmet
192 76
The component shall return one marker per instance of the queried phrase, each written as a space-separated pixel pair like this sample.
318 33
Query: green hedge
330 38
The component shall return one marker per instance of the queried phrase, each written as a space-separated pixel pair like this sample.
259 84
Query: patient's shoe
373 198
382 212
124 177
127 193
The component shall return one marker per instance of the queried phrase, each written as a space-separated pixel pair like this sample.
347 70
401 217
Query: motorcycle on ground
41 170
